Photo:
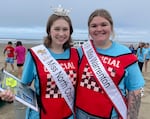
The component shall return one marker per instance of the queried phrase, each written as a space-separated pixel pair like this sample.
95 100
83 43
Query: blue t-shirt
147 53
131 81
141 53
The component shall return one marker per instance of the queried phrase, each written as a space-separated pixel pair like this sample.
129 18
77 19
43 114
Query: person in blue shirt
141 55
131 47
108 84
147 58
58 43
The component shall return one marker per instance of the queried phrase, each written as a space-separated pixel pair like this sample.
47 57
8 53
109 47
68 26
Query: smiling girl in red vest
53 67
109 77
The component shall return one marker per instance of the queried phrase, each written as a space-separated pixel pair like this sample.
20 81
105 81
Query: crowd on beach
94 81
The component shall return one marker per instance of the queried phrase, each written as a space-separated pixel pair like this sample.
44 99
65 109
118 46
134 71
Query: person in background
141 55
108 87
55 91
20 53
9 51
131 47
147 58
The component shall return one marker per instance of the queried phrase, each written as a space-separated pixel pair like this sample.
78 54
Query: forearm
4 51
134 101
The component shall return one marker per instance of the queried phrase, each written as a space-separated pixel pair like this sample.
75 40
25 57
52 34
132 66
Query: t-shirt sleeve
28 70
134 79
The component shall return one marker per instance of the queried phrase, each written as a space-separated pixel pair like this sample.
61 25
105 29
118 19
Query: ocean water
36 35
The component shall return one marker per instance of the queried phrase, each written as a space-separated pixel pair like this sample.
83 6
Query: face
60 32
100 29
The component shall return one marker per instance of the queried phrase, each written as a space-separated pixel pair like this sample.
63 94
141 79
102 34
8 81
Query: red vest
90 96
53 104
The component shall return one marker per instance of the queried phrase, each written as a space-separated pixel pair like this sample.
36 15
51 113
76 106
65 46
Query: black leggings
140 65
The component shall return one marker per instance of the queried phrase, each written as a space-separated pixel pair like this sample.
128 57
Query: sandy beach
8 111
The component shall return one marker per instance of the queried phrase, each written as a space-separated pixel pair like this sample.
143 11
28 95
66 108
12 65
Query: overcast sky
127 14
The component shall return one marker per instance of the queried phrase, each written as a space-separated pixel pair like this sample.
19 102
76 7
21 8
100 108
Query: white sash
104 79
59 75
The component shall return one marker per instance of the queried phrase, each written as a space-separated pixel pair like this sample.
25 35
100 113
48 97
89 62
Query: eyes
58 29
104 24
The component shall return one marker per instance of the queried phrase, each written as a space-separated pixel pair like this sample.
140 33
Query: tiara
60 11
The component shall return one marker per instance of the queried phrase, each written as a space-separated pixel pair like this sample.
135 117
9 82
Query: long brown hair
51 20
141 46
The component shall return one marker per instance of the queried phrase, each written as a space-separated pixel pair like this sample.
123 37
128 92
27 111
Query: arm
4 51
28 70
15 54
134 101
